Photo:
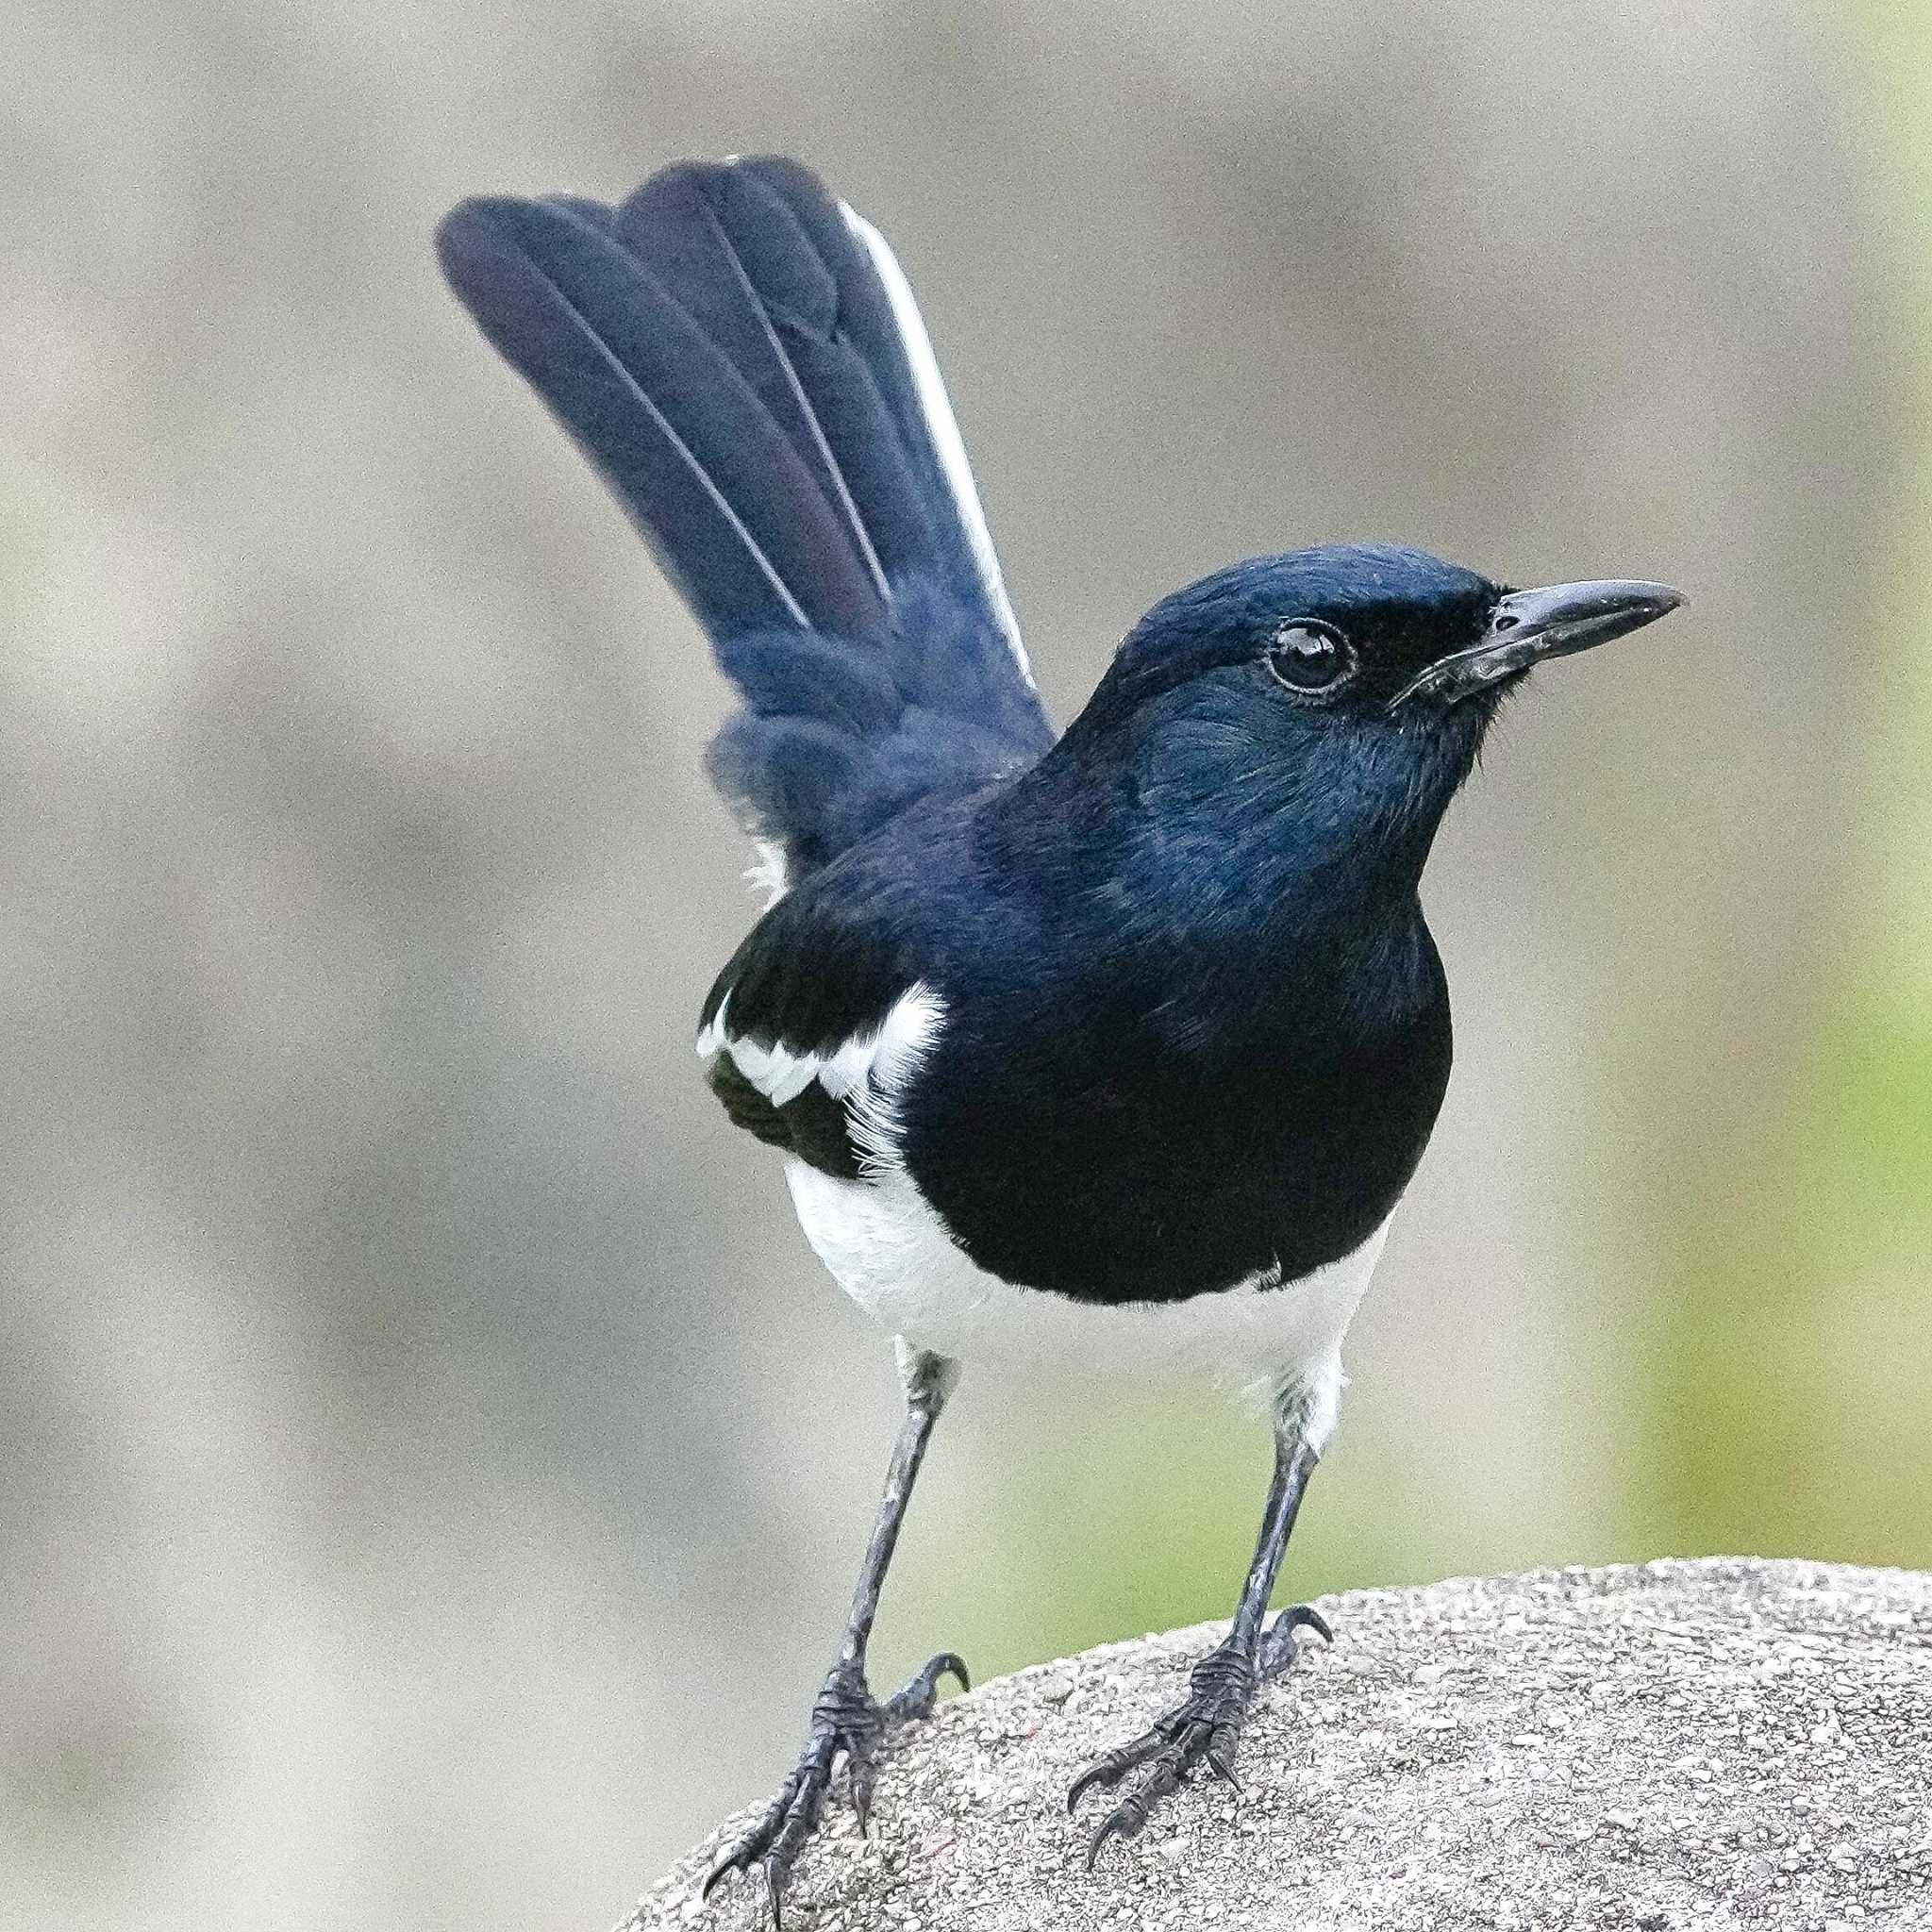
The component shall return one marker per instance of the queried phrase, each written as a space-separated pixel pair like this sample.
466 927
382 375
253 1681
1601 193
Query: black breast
1132 1168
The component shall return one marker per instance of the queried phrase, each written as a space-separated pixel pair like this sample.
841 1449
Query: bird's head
1323 706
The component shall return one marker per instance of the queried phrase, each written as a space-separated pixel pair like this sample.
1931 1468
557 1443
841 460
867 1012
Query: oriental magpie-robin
1123 1041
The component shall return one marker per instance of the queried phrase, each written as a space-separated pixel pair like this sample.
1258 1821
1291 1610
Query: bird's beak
1530 625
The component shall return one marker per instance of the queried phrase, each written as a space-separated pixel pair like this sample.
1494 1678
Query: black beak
1527 626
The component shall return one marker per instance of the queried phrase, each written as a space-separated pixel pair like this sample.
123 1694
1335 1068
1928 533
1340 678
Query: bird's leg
847 1721
1206 1726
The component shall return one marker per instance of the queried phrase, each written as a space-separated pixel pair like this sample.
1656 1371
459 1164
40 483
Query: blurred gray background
431 1464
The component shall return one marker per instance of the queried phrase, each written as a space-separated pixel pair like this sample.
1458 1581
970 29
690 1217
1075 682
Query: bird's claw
916 1698
847 1723
1279 1643
1203 1729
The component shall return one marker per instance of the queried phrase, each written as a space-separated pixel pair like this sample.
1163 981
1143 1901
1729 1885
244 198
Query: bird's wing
740 355
811 1029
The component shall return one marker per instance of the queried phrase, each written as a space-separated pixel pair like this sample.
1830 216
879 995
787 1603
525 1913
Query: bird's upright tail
741 358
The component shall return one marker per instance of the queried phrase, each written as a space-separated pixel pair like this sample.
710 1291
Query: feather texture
741 357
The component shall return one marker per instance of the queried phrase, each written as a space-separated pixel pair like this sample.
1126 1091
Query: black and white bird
1123 1041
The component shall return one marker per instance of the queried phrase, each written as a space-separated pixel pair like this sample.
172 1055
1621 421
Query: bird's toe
1281 1643
1205 1729
847 1726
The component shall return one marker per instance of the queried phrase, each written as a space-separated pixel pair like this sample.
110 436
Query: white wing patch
944 426
871 1065
712 1034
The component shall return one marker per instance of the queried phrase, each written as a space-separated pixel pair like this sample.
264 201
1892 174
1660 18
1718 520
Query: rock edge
1672 1744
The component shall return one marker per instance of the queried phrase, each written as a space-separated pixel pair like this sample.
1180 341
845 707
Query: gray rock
1675 1746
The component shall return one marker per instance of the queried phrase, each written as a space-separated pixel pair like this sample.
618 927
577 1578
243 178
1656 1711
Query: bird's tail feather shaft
741 357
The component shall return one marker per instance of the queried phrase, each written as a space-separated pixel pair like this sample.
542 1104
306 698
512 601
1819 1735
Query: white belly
891 1253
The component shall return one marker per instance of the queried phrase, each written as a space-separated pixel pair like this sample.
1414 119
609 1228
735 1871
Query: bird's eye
1310 658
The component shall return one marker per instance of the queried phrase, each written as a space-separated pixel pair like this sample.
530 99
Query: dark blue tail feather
730 351
837 737
732 509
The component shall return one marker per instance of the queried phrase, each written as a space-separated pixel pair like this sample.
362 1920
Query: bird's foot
847 1723
1202 1730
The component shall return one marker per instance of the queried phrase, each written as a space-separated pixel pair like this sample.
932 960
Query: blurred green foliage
1785 1360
